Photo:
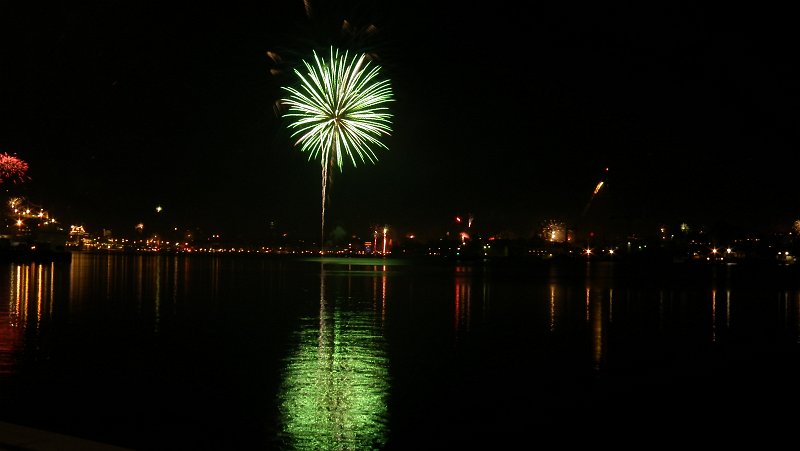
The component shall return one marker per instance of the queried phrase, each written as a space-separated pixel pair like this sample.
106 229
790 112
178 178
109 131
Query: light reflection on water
29 301
462 304
336 384
383 347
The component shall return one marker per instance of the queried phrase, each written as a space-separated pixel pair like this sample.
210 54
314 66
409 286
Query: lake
266 352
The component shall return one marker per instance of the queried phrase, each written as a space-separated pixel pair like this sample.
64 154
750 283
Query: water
225 352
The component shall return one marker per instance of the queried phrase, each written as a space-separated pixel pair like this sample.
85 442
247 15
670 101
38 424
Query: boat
30 233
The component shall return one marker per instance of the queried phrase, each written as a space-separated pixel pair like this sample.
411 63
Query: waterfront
228 352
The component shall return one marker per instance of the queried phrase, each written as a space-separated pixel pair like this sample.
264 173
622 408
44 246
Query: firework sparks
12 169
332 23
338 112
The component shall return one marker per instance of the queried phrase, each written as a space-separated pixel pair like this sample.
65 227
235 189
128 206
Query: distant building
77 237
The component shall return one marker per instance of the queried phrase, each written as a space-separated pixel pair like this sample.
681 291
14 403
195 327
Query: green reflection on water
335 387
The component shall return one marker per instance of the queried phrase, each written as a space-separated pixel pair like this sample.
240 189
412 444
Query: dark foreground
175 352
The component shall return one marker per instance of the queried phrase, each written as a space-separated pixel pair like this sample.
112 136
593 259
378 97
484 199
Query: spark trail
597 189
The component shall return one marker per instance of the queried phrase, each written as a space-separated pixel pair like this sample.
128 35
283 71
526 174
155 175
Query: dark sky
510 113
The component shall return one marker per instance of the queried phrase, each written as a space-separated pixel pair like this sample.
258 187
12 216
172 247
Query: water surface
223 352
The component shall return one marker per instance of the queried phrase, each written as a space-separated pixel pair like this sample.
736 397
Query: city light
27 222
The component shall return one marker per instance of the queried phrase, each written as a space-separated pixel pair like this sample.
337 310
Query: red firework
12 169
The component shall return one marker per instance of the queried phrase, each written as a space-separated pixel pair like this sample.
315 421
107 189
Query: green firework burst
339 112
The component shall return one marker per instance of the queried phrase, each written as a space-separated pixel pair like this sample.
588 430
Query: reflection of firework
12 168
338 112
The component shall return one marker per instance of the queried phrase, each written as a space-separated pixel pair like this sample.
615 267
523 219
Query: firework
12 169
340 24
597 188
594 193
338 112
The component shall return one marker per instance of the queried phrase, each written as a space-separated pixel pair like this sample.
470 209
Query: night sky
511 115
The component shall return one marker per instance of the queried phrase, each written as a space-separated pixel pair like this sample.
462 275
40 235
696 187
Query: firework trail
338 112
597 189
